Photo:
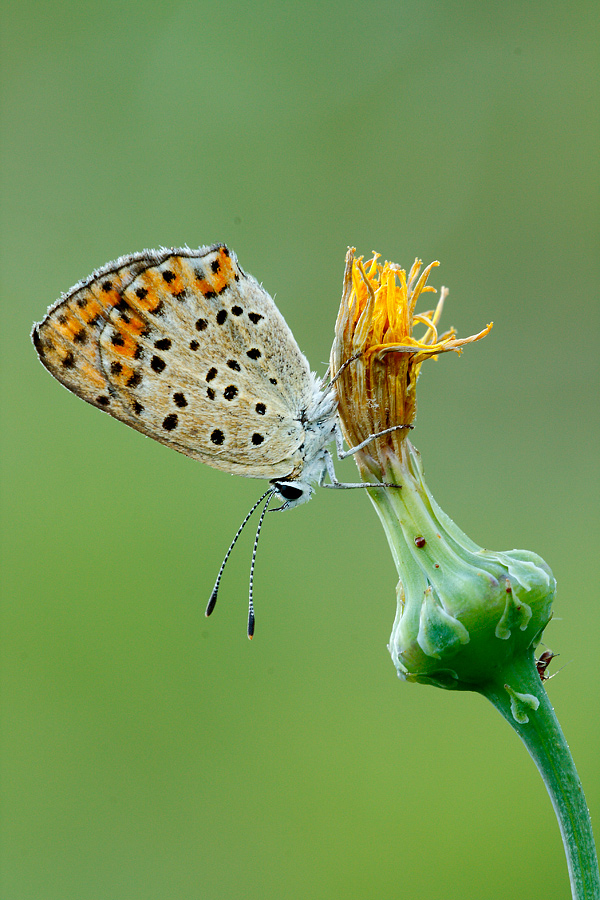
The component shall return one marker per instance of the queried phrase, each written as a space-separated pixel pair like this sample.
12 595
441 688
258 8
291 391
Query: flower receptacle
463 612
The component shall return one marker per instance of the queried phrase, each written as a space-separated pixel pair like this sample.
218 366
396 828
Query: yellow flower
375 327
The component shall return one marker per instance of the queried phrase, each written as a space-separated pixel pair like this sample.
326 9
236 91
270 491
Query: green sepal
439 632
521 704
517 614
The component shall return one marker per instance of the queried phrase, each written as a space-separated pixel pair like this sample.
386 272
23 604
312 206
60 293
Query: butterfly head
293 493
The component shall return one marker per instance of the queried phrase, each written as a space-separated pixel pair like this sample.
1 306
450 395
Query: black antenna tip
250 626
211 603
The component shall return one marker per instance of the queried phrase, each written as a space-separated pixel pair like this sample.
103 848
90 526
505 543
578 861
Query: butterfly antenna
251 589
213 597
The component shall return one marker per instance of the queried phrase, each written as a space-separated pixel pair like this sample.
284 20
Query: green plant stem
546 743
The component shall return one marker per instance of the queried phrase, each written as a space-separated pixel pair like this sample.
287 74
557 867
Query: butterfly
189 349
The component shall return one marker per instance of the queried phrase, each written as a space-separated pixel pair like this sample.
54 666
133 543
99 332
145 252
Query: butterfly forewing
185 347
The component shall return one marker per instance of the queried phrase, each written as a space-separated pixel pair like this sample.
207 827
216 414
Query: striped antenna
213 597
251 590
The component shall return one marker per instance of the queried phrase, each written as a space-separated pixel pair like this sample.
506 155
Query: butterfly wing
187 348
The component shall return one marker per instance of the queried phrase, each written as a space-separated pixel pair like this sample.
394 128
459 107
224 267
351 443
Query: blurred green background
147 752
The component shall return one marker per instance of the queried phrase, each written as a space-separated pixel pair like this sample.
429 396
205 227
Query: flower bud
462 611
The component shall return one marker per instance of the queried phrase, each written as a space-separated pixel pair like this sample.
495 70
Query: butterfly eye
288 491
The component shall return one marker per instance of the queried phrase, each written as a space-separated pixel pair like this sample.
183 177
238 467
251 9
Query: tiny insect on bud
543 662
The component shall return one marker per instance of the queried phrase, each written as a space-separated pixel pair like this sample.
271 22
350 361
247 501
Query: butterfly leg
339 441
344 485
341 368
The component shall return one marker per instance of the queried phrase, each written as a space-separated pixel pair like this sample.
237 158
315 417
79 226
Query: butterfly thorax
319 419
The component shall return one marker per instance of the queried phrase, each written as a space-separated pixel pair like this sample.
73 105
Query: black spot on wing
135 379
